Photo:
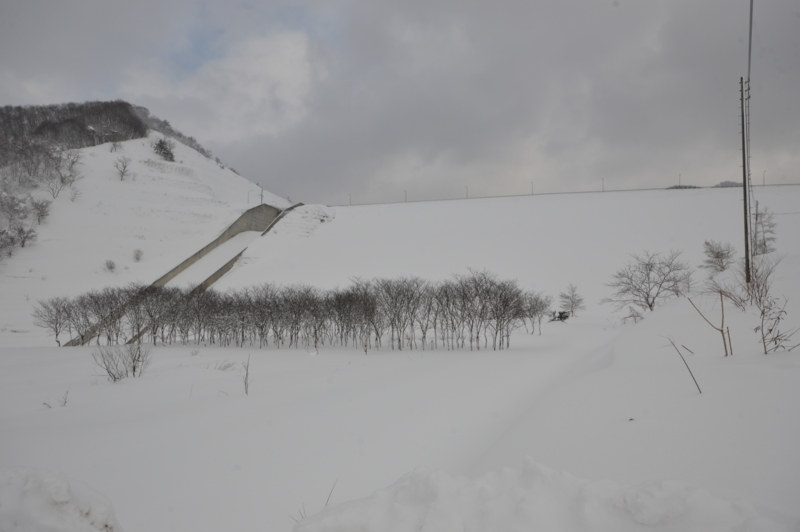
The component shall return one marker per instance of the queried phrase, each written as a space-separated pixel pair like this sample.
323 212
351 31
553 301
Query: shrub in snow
118 362
12 207
8 243
41 208
37 500
23 234
719 256
110 265
137 255
772 337
165 148
739 291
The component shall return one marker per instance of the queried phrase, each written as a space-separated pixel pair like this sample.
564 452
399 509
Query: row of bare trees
476 310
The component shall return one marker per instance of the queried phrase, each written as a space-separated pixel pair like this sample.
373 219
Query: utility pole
745 187
744 92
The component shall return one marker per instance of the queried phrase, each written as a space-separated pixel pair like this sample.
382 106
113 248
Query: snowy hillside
168 210
592 425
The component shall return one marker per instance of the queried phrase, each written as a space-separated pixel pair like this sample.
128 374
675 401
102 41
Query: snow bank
46 501
535 498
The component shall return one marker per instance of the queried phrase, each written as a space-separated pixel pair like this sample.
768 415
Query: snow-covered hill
606 413
168 210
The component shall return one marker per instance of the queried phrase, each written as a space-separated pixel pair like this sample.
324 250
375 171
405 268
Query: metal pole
750 42
744 188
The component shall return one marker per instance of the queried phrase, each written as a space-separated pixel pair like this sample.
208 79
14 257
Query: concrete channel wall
256 219
260 218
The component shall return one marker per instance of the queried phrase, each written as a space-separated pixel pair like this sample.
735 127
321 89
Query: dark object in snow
562 315
165 148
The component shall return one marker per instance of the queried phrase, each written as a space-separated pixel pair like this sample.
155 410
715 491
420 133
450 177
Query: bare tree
53 185
41 208
65 164
649 280
536 306
122 165
571 301
52 314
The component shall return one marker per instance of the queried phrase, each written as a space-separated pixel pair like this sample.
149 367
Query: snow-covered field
593 425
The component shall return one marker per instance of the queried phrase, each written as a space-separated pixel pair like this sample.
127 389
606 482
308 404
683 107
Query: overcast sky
381 100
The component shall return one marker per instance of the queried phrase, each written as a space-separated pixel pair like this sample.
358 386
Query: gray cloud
317 99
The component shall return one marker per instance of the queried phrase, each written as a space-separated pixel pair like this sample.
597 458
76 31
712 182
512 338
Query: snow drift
535 498
47 501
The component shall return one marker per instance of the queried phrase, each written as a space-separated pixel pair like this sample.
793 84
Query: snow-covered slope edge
168 210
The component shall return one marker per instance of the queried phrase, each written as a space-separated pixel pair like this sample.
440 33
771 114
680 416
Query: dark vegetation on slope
40 150
68 125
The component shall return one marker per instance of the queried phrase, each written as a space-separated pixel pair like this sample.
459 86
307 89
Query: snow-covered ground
593 425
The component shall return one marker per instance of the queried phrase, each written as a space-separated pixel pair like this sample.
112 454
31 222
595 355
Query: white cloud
260 86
